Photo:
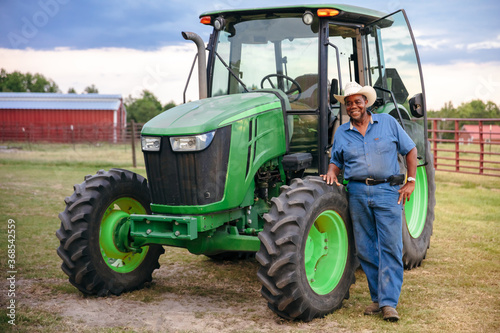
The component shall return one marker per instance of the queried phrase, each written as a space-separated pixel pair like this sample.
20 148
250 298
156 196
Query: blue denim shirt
375 154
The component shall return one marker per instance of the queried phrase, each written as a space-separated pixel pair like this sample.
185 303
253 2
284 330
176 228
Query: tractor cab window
393 69
342 66
341 56
279 53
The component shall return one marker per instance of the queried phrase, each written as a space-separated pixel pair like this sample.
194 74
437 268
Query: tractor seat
309 84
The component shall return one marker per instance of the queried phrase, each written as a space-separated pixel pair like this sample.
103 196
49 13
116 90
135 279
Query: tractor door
392 67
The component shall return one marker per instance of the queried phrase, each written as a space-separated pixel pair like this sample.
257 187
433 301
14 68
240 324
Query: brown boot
390 314
372 309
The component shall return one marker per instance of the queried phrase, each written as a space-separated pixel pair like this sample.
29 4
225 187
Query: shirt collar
351 126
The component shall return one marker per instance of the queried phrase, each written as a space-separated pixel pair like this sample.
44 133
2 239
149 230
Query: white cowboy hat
353 88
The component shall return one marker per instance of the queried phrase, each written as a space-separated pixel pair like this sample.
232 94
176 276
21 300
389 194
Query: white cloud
433 43
486 45
112 70
164 72
461 82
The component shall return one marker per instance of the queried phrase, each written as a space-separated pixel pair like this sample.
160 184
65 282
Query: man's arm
332 174
411 164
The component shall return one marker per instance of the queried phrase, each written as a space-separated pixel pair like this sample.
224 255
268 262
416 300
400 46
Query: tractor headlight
192 142
150 143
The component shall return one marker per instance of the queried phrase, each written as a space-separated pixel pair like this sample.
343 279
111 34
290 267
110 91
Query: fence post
72 136
457 147
434 143
481 148
134 161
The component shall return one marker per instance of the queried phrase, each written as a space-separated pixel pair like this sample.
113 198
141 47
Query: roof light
325 12
308 18
206 20
219 23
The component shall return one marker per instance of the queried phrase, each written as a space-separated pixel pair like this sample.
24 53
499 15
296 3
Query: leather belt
393 180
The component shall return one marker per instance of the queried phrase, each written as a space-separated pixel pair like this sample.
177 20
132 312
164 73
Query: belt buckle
368 180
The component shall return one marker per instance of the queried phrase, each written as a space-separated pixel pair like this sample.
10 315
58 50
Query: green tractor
237 171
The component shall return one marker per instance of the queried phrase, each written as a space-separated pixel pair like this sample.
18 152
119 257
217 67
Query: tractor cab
309 53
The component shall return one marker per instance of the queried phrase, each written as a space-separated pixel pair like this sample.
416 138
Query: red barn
471 134
61 117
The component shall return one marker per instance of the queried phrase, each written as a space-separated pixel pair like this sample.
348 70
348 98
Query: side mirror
417 105
334 90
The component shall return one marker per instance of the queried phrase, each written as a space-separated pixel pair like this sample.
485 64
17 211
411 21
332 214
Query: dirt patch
168 312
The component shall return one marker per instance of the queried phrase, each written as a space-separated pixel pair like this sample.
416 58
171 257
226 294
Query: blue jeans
377 226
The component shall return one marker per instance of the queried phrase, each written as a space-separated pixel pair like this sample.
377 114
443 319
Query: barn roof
55 101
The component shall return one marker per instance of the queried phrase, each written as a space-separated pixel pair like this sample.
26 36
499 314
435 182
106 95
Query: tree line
27 82
138 109
147 105
475 109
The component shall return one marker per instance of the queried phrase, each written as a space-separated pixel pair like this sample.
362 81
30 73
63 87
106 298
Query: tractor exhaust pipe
202 62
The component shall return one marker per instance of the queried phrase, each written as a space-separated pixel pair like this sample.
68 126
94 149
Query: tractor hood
211 113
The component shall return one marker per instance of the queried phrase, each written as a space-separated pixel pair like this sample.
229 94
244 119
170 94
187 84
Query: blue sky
452 36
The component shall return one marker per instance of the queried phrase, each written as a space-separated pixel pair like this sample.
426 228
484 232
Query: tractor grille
189 178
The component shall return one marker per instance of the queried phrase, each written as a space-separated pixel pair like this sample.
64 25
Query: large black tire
307 250
418 215
93 264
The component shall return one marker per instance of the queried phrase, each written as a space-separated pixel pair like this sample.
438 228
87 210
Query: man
366 148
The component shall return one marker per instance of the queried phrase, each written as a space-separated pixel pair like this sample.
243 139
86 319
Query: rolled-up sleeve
337 152
404 142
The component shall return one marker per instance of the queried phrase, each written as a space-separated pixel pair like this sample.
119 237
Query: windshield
279 53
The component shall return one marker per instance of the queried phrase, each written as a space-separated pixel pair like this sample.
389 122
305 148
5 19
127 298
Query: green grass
456 290
101 155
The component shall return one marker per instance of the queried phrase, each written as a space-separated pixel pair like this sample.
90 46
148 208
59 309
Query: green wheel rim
121 262
416 207
325 254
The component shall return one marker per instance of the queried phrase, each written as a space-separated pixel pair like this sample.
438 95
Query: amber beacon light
206 20
325 12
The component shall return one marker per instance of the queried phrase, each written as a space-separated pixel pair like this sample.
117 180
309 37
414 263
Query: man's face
356 106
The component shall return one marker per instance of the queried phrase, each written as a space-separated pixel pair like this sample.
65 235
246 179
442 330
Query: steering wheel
289 92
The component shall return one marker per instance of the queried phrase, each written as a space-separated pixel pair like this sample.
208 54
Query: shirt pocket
384 146
350 151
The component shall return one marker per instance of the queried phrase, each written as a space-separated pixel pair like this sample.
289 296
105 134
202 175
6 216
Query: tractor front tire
307 250
90 257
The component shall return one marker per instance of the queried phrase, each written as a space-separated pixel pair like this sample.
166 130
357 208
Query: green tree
169 105
472 109
142 109
19 82
71 90
475 109
478 109
92 89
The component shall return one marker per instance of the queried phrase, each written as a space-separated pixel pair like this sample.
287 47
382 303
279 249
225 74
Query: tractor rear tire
307 250
90 257
418 215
